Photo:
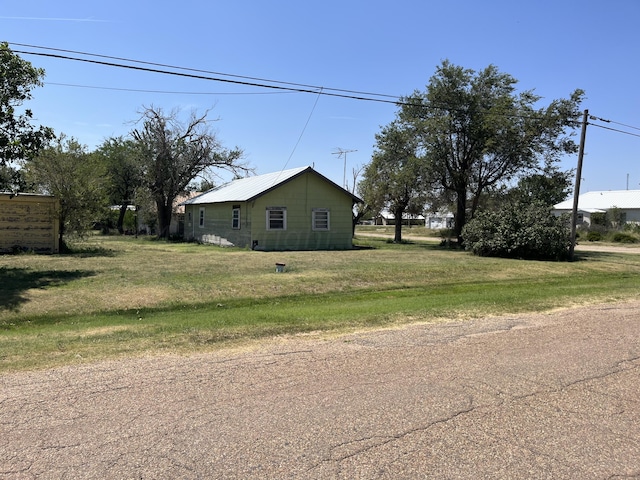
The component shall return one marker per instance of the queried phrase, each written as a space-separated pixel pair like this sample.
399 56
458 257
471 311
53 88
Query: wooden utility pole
576 190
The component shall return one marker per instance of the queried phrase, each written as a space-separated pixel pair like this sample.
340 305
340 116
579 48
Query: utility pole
343 153
576 191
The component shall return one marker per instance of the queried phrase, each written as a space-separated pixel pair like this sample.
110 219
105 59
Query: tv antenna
342 153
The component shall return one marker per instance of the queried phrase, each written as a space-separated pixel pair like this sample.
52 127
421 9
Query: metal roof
246 189
604 200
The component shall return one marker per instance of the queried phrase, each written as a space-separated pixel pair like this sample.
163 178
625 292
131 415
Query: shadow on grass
14 282
379 243
86 251
591 255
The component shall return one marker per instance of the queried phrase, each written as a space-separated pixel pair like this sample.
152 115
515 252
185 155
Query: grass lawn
124 296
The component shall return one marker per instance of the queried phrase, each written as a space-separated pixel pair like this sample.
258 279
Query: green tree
123 174
12 179
395 179
19 140
477 132
76 177
616 218
173 153
548 187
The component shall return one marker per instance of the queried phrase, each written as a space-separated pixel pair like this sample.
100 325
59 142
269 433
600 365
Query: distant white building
627 201
439 220
434 221
385 217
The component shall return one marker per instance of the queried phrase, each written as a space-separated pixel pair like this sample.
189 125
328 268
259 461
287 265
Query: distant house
296 209
28 222
431 220
627 201
385 217
439 220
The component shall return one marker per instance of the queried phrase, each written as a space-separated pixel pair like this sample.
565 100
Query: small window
235 218
201 220
320 219
276 218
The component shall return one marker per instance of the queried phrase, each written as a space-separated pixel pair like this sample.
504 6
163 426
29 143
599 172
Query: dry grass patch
125 296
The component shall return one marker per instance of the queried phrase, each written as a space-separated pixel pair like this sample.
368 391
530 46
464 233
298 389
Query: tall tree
173 153
76 177
477 131
548 187
12 179
19 140
124 173
396 178
360 209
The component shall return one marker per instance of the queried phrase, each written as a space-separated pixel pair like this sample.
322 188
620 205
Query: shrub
519 230
594 236
623 237
599 218
632 227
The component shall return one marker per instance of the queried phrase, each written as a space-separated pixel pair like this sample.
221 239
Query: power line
137 90
314 90
243 80
624 125
303 130
258 79
252 82
615 129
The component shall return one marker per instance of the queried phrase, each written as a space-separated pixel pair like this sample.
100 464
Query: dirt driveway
585 247
536 396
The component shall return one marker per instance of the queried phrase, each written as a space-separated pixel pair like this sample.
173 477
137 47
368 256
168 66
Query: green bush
594 236
623 237
599 218
519 230
632 227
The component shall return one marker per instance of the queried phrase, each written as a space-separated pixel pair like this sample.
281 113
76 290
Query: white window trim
234 218
314 226
201 217
284 217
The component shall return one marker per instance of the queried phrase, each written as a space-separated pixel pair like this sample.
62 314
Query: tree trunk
164 219
397 237
123 211
62 246
461 214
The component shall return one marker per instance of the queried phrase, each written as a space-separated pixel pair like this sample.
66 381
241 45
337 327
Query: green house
297 209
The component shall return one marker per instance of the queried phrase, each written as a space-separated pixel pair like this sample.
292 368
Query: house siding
28 222
633 215
300 196
626 201
217 228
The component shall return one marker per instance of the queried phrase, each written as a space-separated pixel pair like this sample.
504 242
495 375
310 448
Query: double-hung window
201 218
276 218
235 217
320 219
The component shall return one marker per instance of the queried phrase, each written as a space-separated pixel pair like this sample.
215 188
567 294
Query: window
235 218
276 218
201 219
320 219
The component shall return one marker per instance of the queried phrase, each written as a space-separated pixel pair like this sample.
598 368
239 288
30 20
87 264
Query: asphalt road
538 396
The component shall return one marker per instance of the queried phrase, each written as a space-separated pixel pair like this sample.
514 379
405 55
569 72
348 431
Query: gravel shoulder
585 247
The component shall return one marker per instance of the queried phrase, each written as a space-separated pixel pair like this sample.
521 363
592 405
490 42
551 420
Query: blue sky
389 48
